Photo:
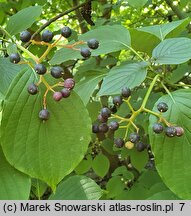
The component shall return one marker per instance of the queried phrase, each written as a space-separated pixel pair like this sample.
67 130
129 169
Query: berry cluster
104 127
56 72
170 131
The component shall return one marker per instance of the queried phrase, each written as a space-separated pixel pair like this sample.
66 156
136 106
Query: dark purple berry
103 127
117 100
14 58
125 92
44 114
179 131
69 83
119 142
56 72
93 43
158 128
66 32
134 137
40 69
105 112
65 92
85 52
101 118
162 107
32 89
170 131
113 109
140 146
47 36
57 96
95 128
25 36
113 125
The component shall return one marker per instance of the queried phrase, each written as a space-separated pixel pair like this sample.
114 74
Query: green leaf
77 188
38 187
8 71
161 31
143 41
172 155
23 19
111 38
172 51
65 54
14 184
163 195
45 150
137 3
137 192
130 75
114 186
100 165
123 171
86 86
139 159
84 166
179 73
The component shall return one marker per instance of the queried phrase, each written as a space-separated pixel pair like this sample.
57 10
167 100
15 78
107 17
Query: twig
54 19
176 10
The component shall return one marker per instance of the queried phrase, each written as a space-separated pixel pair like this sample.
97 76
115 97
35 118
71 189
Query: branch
54 19
176 10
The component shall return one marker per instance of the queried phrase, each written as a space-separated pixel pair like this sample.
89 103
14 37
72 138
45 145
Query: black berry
85 52
57 96
101 118
105 112
93 43
125 92
140 146
56 72
158 128
40 69
134 137
162 107
65 92
32 89
47 36
69 83
170 131
119 142
113 109
66 32
117 100
103 127
179 131
14 58
95 128
25 36
44 114
113 125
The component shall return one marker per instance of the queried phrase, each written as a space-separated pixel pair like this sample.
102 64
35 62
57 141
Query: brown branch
54 19
82 24
176 10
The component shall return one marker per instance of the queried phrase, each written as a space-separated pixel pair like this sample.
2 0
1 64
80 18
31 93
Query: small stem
129 105
56 41
36 59
44 98
167 91
119 117
149 91
45 53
